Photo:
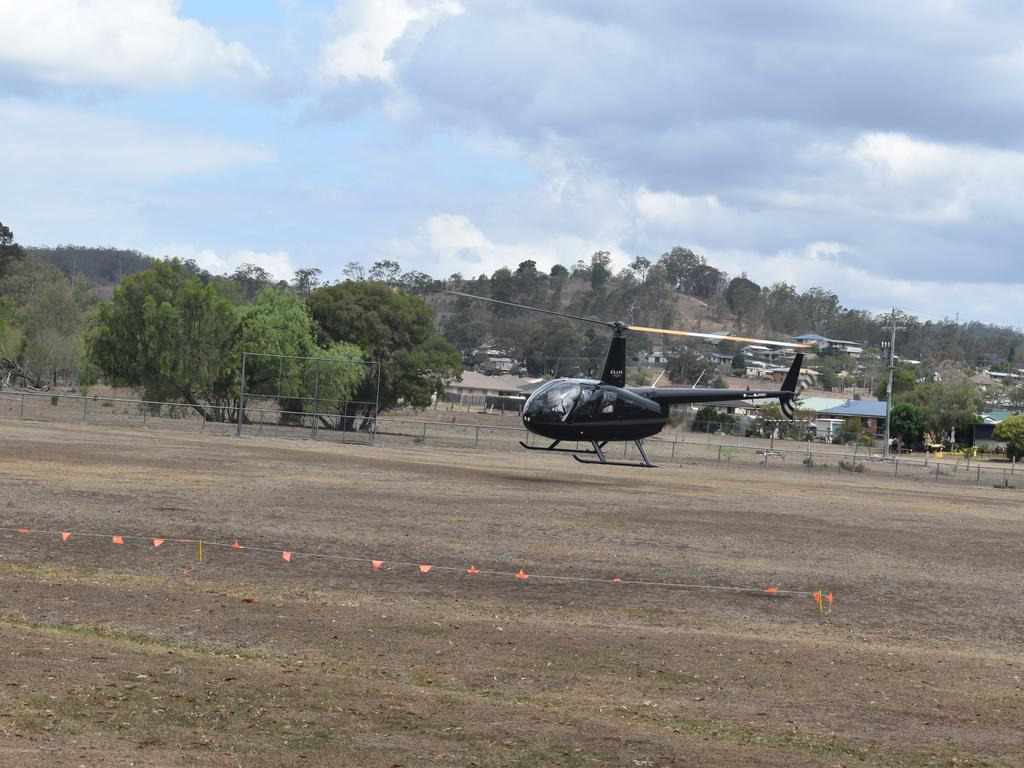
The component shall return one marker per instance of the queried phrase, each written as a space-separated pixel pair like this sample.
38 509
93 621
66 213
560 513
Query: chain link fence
813 459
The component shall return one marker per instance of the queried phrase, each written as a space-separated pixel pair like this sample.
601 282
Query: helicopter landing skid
553 449
602 460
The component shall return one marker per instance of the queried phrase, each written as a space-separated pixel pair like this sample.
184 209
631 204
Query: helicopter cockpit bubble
553 402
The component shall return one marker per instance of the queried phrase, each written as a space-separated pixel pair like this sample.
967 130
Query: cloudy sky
872 148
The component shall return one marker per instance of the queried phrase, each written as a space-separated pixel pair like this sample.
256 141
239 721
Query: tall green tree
600 269
685 366
336 378
166 332
48 315
946 405
1011 430
393 329
10 251
907 423
902 381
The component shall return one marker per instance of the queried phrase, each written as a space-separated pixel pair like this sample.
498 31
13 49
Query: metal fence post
85 408
675 442
316 401
424 438
476 441
22 415
145 412
718 462
978 482
936 471
241 397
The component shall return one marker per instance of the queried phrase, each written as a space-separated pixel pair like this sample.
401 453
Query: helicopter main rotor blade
532 309
717 336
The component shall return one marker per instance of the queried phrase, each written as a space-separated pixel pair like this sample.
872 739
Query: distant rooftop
874 409
817 337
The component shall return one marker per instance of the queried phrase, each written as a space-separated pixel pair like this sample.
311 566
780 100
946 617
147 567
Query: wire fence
707 448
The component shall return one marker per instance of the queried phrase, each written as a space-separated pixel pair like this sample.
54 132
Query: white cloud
448 243
141 43
900 176
81 146
206 258
371 31
669 207
835 267
277 263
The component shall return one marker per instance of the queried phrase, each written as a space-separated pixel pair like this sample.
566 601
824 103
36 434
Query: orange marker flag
522 574
616 580
157 542
425 568
376 564
472 569
117 539
287 556
829 598
236 545
23 530
771 590
65 536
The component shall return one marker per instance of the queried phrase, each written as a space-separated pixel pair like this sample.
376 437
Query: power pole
891 345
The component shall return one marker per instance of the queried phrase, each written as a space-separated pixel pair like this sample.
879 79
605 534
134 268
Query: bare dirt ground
131 655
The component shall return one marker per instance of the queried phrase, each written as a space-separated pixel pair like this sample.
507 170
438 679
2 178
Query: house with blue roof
871 414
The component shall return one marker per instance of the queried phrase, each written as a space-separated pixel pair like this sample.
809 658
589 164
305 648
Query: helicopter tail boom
666 396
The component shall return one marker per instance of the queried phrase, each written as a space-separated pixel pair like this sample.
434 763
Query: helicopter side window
625 405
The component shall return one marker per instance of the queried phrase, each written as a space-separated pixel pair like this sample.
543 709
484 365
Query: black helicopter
600 411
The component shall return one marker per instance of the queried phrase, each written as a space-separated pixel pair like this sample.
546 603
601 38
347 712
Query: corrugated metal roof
818 404
874 409
996 416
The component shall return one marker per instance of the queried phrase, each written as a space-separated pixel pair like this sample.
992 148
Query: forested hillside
681 290
100 266
51 315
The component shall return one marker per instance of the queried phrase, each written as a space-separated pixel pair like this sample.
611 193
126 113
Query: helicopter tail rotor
792 386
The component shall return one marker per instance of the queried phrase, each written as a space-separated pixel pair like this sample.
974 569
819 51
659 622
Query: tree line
645 293
177 334
176 331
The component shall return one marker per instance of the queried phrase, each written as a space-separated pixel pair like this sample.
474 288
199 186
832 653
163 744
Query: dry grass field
135 655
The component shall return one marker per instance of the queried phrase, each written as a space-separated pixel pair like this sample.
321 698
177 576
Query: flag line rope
819 596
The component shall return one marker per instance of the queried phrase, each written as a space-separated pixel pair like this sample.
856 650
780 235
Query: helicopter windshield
553 402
